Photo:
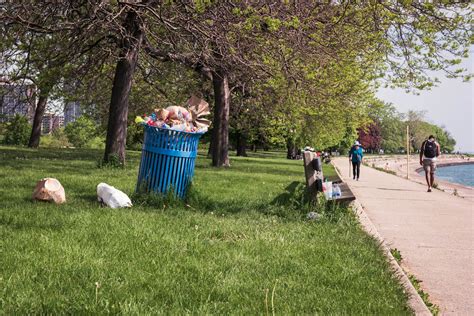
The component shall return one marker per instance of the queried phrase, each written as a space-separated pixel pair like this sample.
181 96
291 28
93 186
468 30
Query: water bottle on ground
336 191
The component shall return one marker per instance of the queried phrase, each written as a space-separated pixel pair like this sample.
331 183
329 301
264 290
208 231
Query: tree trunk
38 120
220 130
241 145
124 71
290 149
209 151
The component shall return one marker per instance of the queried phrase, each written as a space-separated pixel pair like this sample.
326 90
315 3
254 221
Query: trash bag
110 196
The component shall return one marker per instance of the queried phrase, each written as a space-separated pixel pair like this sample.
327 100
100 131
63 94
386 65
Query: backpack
430 149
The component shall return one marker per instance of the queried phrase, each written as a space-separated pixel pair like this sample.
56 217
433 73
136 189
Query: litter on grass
312 216
112 197
49 189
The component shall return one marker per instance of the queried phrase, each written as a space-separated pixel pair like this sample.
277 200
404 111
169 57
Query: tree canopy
276 73
387 130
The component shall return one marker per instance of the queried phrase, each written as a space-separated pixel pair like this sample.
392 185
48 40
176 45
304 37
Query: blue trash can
167 161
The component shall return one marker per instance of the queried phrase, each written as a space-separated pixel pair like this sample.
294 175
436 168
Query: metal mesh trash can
167 161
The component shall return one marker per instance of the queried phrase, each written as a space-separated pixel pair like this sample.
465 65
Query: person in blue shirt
355 156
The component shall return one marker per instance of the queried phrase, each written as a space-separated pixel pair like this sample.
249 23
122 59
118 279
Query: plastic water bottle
329 190
336 191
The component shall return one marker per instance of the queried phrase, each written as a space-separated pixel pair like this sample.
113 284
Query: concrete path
433 231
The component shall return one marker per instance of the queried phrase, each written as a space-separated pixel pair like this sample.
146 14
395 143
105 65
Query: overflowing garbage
112 197
188 118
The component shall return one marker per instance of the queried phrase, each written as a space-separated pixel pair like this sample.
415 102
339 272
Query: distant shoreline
449 164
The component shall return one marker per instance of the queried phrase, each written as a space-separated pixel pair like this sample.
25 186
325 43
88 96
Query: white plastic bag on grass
112 197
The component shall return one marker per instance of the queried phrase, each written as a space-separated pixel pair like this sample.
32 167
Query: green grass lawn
240 244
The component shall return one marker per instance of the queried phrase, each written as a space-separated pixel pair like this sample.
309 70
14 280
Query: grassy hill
240 244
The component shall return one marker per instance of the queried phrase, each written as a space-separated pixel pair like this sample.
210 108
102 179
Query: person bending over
428 153
355 156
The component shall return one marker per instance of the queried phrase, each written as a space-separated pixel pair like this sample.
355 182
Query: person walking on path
428 153
355 156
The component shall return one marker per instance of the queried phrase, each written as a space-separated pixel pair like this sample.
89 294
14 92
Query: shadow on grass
87 197
51 170
295 192
32 220
253 167
267 154
28 225
286 205
291 205
23 153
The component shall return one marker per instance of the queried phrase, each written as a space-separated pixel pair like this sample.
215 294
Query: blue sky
449 104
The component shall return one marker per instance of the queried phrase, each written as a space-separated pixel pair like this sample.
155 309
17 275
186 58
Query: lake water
462 174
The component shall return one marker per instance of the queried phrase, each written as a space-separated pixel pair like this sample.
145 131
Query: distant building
17 98
46 126
58 122
72 110
51 122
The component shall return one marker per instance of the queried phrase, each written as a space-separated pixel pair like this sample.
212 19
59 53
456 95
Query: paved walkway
433 231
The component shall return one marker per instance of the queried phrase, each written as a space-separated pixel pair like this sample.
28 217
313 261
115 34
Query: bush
135 134
18 131
81 132
98 142
57 139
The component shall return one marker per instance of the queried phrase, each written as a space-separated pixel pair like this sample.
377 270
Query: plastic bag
112 197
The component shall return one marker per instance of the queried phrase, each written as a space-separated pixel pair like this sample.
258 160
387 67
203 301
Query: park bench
314 179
